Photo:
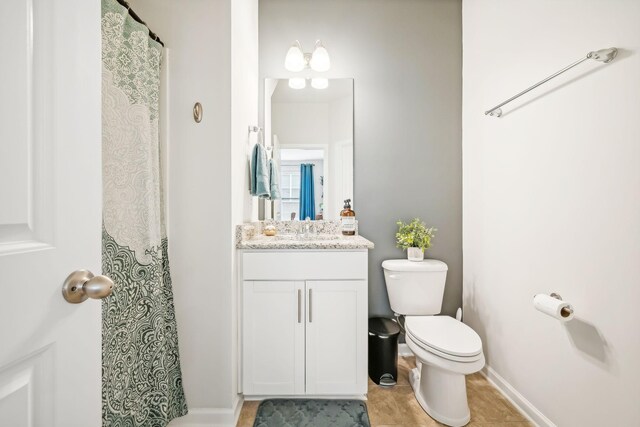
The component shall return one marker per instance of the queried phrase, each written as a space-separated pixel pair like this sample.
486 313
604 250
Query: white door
273 338
336 337
50 211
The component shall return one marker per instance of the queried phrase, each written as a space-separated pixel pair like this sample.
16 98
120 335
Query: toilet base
442 394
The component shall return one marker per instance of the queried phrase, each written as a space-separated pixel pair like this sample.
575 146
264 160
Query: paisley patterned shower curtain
141 377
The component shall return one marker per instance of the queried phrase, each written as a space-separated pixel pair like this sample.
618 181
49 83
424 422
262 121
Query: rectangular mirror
309 135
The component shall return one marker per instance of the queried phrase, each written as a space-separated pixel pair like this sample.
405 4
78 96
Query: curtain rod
152 35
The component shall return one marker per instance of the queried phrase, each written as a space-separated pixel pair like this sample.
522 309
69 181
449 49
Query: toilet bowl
446 349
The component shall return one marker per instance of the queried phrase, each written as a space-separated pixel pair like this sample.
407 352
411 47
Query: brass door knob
82 284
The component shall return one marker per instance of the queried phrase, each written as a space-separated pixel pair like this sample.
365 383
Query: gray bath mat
312 413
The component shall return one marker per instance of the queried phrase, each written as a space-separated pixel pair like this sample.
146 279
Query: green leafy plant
414 235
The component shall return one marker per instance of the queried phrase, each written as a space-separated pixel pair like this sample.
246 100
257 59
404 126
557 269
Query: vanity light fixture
319 83
296 60
297 82
320 60
301 83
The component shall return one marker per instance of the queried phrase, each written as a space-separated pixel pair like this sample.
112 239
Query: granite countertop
326 236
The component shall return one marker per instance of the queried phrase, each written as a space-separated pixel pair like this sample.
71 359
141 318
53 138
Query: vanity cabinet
273 338
304 330
336 337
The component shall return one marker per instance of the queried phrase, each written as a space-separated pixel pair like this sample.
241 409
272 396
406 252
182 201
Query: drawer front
311 265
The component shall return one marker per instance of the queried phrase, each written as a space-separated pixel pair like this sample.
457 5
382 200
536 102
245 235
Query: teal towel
274 180
259 172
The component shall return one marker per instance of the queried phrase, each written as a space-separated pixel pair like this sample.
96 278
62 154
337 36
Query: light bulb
294 61
297 83
320 83
320 58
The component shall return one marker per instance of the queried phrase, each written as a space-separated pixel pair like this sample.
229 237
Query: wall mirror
309 134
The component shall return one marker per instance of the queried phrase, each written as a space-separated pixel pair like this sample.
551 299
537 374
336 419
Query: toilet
446 349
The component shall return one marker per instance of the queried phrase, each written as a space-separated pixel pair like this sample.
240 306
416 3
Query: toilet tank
415 288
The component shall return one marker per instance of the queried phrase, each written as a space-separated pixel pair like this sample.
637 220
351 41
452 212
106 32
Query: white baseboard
210 417
518 400
237 408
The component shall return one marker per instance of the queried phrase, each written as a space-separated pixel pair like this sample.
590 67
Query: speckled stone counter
326 236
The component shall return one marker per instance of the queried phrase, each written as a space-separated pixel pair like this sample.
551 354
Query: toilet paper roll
553 307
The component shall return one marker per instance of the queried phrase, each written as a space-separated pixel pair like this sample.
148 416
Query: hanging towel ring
261 140
260 136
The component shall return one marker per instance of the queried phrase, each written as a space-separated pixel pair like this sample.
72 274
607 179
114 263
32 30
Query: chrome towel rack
602 55
260 131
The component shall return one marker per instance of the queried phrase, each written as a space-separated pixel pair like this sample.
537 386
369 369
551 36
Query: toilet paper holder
565 311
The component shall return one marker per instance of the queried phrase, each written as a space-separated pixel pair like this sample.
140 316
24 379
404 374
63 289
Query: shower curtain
307 196
141 377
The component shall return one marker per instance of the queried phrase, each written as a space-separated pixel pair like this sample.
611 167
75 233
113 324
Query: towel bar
602 55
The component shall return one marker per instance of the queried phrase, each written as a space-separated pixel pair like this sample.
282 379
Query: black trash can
383 351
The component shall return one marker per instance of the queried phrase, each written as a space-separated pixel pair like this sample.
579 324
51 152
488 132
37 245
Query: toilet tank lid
406 265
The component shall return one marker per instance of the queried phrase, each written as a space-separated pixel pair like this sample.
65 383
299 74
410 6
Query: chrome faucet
306 229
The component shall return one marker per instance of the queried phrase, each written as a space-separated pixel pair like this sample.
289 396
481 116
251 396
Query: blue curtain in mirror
307 195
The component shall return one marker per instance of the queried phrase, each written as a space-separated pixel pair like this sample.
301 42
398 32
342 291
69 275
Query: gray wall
406 60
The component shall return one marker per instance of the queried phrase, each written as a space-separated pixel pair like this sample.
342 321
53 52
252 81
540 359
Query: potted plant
415 237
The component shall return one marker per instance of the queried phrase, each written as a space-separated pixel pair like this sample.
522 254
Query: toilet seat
444 336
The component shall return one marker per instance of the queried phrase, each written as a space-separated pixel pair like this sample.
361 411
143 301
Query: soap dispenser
348 219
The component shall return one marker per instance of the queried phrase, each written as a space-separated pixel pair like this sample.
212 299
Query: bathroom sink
326 235
294 237
321 237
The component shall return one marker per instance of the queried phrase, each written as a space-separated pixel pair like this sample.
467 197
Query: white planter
415 254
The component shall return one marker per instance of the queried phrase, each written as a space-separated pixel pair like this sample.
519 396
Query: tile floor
396 406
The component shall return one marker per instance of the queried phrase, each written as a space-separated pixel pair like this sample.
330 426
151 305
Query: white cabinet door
336 337
273 337
50 211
